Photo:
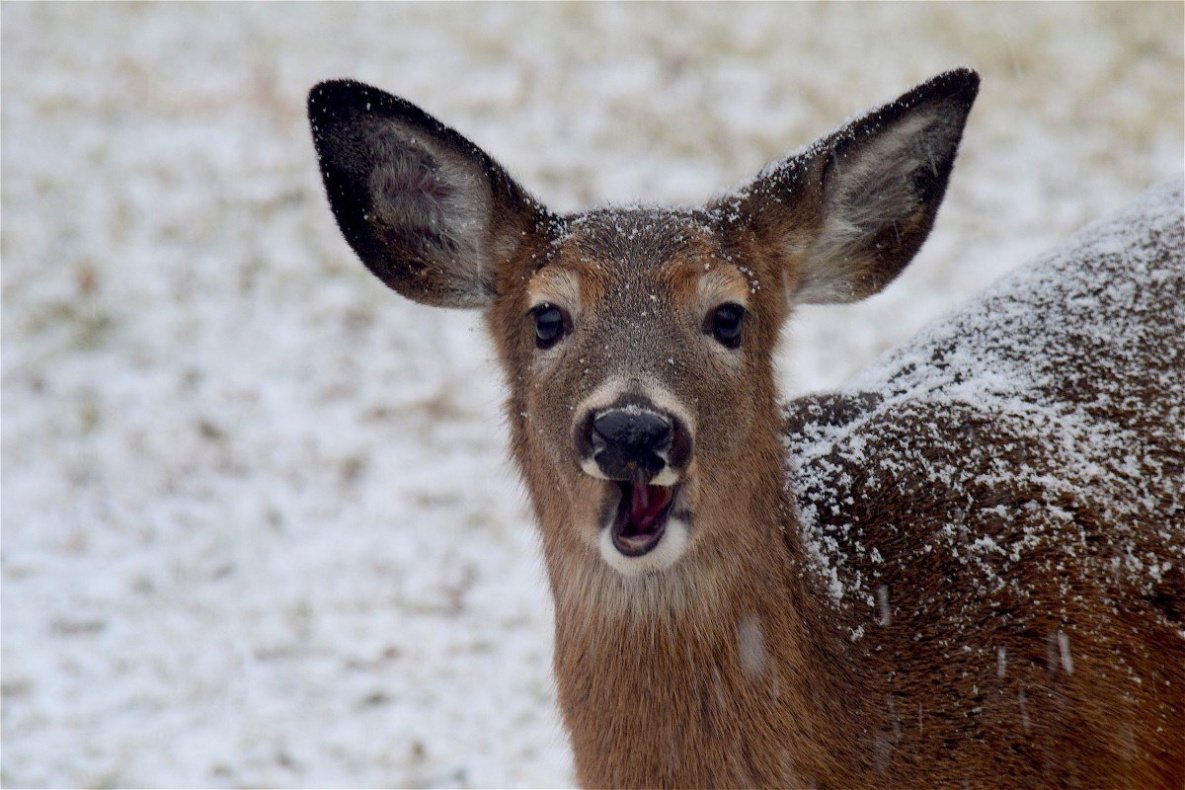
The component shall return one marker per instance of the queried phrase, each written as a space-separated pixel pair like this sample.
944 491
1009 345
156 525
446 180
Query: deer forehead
641 262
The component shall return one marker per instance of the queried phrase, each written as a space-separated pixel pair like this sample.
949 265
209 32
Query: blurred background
258 523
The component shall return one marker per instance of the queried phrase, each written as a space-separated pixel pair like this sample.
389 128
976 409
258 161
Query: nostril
588 443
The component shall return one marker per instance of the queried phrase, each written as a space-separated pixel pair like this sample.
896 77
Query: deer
966 567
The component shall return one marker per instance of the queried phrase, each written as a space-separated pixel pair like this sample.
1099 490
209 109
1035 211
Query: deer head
637 342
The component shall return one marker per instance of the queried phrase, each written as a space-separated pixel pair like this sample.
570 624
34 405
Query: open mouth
641 516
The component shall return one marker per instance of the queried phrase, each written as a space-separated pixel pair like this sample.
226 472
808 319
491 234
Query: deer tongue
647 503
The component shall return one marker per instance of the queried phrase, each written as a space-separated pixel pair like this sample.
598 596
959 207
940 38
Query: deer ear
845 216
431 214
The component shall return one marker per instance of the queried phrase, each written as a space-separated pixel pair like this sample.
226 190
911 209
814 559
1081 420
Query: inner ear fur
844 217
427 211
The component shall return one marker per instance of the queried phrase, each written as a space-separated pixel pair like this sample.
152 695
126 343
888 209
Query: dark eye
724 323
551 324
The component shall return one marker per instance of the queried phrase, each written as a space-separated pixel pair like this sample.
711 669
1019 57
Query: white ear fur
849 212
423 188
866 190
426 210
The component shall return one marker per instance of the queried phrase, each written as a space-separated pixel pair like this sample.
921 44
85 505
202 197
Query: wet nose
629 440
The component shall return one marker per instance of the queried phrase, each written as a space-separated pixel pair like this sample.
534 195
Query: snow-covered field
258 524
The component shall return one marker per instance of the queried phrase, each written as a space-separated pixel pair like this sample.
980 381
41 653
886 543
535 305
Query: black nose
629 440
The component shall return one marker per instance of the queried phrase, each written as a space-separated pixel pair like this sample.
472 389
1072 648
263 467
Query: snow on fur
1059 390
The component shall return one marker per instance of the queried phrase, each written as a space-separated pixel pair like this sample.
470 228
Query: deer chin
644 530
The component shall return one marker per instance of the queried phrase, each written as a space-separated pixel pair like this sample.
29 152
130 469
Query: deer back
997 512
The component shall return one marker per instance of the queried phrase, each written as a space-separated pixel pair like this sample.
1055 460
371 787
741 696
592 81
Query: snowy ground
258 528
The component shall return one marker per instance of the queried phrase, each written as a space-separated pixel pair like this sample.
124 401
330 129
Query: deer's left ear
431 214
843 218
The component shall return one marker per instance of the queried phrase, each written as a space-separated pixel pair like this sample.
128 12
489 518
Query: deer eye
724 324
551 324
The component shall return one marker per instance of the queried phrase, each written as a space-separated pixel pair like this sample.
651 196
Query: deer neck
724 649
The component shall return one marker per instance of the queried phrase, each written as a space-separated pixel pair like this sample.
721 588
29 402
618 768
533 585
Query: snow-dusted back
1060 390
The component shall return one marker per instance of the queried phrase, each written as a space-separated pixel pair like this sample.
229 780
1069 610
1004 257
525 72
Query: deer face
641 358
637 343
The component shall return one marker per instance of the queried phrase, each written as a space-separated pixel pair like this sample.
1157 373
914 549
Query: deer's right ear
431 214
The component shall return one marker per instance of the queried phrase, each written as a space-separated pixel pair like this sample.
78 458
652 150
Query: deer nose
629 440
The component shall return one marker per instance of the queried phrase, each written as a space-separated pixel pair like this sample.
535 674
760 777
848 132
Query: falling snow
258 525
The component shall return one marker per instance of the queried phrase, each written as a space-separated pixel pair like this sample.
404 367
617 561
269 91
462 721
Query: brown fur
840 617
1059 678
